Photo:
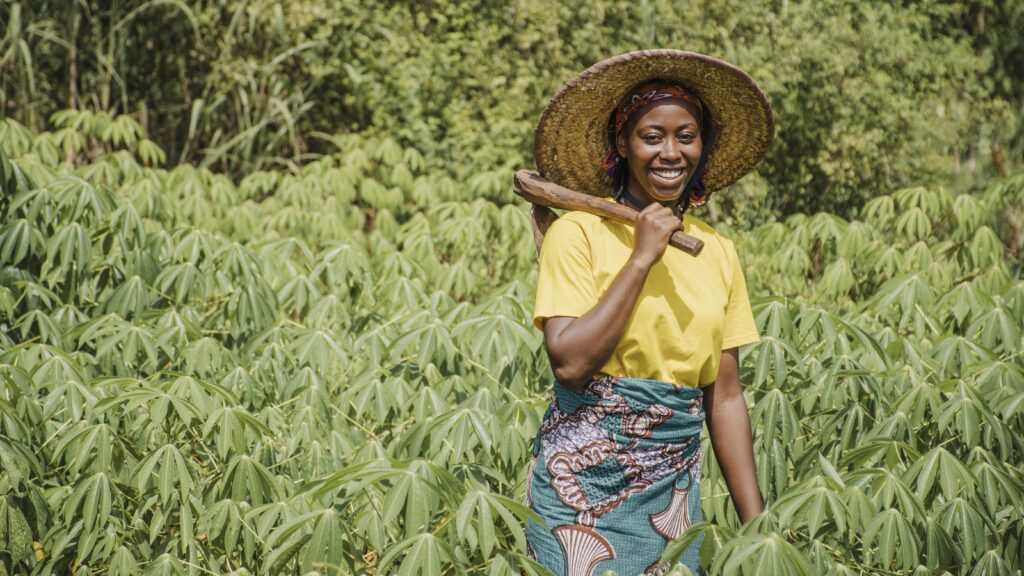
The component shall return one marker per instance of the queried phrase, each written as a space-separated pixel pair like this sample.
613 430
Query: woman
642 338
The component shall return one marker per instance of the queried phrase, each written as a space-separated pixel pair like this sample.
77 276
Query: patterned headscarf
695 193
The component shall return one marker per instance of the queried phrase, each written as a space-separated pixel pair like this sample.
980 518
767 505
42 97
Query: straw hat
572 135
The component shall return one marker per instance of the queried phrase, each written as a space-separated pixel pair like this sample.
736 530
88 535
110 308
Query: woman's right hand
654 226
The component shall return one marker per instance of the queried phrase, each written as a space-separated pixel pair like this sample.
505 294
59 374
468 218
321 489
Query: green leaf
892 540
420 555
15 534
812 503
325 550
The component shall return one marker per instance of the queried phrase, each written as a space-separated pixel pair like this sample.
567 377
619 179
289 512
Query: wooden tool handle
543 192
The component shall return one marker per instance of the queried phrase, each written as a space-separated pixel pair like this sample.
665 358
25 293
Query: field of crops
333 370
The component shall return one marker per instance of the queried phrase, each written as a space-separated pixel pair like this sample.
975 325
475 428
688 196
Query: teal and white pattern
615 476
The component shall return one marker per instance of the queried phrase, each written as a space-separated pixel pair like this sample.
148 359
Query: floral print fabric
615 476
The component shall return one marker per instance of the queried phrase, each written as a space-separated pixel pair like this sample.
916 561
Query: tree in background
868 97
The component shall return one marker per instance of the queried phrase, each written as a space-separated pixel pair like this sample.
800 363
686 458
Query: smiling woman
642 340
663 146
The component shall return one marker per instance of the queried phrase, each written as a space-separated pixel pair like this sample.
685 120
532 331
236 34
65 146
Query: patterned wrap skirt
615 475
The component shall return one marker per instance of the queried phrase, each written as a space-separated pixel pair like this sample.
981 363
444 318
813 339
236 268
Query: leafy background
265 297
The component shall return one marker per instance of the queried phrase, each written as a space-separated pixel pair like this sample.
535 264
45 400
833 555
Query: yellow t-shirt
689 310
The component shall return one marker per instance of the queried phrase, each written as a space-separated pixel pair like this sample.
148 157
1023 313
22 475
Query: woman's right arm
579 347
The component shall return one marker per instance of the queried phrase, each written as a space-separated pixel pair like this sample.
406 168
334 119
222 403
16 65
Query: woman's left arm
729 427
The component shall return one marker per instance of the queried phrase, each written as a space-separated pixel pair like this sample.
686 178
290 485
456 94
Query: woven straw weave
572 135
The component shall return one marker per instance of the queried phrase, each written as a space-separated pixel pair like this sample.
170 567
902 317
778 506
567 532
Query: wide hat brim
572 135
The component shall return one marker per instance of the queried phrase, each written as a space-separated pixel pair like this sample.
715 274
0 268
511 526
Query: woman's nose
670 150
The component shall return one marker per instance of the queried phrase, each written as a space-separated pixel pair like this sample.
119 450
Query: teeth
669 174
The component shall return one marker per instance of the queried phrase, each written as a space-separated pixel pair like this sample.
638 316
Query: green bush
869 98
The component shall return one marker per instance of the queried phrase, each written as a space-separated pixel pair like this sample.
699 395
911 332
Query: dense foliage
334 370
265 294
869 96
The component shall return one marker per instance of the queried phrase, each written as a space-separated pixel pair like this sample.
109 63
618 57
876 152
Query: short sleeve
565 282
739 328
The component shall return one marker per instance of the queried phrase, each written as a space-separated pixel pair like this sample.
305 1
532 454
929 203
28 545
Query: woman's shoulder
712 238
577 222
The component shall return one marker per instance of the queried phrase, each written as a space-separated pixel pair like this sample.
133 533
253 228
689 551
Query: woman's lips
667 177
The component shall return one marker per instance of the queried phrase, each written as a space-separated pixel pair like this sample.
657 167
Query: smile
667 174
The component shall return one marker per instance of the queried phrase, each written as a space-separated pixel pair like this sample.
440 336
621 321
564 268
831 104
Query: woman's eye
651 139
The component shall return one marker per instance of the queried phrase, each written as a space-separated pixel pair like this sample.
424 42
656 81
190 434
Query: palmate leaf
818 325
968 415
885 488
222 522
415 494
773 317
79 201
892 540
433 343
914 224
39 324
461 434
252 307
325 551
776 419
906 292
248 480
940 550
772 469
92 500
922 403
938 465
896 426
967 525
123 563
990 564
167 469
129 299
825 227
985 247
894 454
420 555
1001 380
343 265
74 396
19 239
318 349
965 301
165 565
184 282
493 340
838 278
712 537
378 398
812 503
476 521
92 447
231 427
298 294
998 486
770 358
953 353
68 251
760 554
997 330
159 405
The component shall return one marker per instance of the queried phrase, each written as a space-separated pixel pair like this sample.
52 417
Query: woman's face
662 147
